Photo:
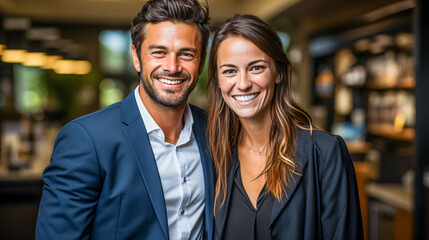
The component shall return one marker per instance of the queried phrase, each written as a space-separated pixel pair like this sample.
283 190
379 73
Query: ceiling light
50 62
64 66
35 59
82 67
78 67
13 55
2 47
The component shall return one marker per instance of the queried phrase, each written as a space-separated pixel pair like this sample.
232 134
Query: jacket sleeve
340 208
71 189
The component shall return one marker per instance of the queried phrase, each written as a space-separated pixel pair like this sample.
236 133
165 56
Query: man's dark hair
186 11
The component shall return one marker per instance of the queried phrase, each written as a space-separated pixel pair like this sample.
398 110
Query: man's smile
170 82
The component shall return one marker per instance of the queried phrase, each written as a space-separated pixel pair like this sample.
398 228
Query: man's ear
136 61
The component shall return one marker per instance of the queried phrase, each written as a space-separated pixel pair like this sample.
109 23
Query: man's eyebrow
188 49
154 46
185 49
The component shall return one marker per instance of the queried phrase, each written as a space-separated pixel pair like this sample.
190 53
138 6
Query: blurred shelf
366 170
405 86
393 194
358 147
21 175
387 131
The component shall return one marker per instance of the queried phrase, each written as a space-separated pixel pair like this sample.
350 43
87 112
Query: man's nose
172 64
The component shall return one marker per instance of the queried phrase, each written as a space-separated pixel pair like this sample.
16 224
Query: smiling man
139 169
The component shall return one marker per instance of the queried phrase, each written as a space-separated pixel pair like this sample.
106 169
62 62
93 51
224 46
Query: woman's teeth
171 82
245 98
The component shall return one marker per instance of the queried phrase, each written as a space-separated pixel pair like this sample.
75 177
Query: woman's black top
320 202
243 220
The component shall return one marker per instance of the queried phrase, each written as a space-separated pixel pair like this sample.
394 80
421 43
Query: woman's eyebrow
249 64
227 65
257 61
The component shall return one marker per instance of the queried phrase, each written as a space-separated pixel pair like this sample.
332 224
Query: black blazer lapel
135 133
206 162
303 154
220 218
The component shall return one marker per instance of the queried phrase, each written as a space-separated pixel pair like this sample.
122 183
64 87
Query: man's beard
156 96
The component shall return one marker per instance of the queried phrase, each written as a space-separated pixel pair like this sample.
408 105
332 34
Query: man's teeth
171 82
245 98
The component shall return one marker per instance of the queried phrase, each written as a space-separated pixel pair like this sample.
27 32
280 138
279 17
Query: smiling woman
276 177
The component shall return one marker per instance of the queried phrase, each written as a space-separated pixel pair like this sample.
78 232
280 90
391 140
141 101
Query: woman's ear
278 78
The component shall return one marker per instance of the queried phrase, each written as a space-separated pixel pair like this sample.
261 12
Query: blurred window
115 51
30 90
285 38
110 92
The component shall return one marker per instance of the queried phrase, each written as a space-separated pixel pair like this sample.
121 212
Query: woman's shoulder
317 136
321 141
326 151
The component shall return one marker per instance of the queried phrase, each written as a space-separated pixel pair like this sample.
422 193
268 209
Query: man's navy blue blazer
103 181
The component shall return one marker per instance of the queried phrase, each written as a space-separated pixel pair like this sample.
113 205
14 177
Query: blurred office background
361 68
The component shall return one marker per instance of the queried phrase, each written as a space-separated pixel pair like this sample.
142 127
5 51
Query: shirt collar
152 126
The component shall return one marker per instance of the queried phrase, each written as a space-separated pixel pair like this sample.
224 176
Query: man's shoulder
97 122
111 112
102 123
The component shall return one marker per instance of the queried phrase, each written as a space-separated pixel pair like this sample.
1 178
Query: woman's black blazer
322 202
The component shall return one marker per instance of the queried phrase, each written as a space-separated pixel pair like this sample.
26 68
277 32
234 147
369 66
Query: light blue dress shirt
181 173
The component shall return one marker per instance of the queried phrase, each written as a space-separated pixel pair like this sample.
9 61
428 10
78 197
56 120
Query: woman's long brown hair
287 116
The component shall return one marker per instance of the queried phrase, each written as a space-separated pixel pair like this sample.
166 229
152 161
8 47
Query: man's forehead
171 29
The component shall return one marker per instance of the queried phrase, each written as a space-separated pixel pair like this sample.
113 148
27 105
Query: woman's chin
246 114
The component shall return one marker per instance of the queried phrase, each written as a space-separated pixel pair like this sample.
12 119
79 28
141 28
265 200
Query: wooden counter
402 199
365 172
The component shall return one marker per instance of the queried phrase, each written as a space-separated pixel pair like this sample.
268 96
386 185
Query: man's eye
187 55
158 53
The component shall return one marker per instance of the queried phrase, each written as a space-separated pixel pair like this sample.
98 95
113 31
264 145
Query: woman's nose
244 82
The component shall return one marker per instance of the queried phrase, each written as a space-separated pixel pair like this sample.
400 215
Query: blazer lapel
303 154
135 133
223 212
199 133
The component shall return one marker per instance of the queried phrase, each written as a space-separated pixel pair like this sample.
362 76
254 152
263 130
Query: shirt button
184 179
182 212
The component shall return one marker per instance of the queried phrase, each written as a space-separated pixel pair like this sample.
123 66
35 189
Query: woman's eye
228 72
257 68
